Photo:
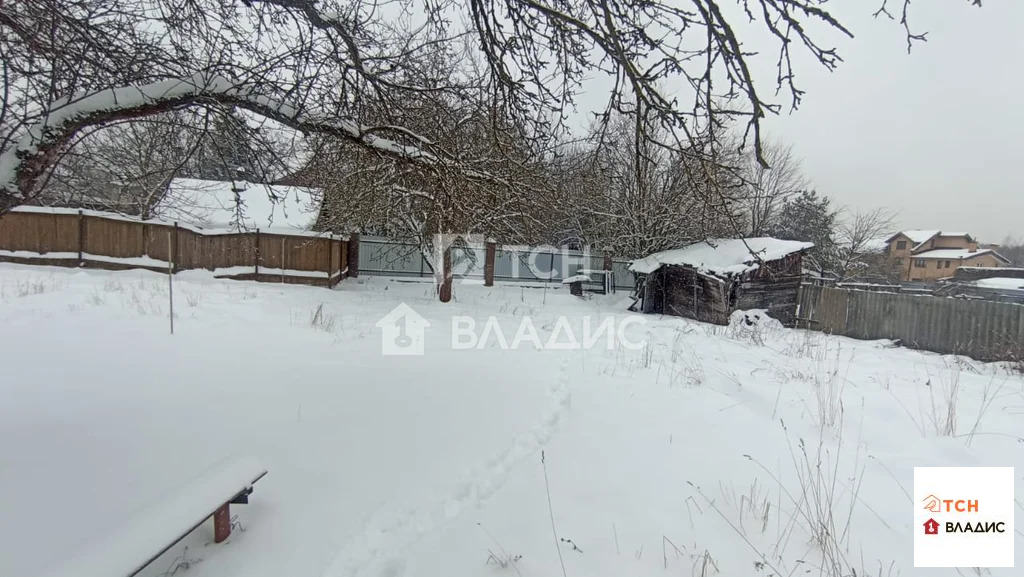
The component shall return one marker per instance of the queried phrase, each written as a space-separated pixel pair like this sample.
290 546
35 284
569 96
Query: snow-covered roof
919 237
577 278
1000 283
915 235
876 245
215 204
722 257
957 253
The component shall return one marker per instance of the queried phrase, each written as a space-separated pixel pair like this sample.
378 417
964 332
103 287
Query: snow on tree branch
354 69
24 164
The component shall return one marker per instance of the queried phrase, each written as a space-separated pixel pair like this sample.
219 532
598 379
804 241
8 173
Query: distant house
238 206
930 255
709 280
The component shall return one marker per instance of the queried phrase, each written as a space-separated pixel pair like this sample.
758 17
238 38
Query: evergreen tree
809 217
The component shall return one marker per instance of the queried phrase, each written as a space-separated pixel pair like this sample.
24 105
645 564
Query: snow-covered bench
576 283
155 530
605 277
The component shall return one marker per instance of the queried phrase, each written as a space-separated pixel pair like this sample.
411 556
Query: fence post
170 280
257 265
353 255
222 523
282 260
330 257
609 279
489 254
81 238
446 276
174 261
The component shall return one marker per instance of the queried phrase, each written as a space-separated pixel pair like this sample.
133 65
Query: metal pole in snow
170 279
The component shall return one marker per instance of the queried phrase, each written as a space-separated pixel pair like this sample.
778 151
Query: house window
946 265
901 245
920 263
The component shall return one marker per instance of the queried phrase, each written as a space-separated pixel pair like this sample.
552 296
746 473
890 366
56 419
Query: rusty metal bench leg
221 523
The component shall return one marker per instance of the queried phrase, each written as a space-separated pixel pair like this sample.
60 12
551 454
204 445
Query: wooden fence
84 238
987 331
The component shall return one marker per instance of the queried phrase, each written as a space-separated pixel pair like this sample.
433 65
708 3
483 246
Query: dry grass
322 320
31 287
822 509
829 385
943 400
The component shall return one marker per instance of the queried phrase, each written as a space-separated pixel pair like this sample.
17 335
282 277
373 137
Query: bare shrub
321 320
685 365
754 504
704 565
504 559
829 386
988 394
823 508
944 402
31 287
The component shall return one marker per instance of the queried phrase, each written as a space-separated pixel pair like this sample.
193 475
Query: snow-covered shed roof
216 204
1002 283
958 253
722 257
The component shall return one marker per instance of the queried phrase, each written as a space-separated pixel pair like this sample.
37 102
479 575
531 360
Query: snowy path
373 552
661 461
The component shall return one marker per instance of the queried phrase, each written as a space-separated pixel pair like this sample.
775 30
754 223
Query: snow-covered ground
738 451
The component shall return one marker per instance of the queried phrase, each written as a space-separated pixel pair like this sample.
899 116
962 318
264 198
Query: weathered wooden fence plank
984 330
34 234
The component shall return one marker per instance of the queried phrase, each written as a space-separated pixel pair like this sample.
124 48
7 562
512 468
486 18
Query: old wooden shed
709 280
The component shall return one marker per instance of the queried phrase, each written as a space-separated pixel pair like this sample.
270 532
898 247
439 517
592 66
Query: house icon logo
932 503
931 527
402 332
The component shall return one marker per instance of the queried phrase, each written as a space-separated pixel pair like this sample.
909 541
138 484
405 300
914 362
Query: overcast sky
935 135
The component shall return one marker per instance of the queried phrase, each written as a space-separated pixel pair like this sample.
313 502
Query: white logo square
963 516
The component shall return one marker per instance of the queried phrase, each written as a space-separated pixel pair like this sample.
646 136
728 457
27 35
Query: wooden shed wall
682 291
773 287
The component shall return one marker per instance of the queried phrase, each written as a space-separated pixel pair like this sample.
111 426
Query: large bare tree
621 192
766 189
318 66
861 251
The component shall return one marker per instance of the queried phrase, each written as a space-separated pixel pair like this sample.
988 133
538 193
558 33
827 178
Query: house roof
1002 283
919 237
722 257
916 236
875 245
215 204
958 253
